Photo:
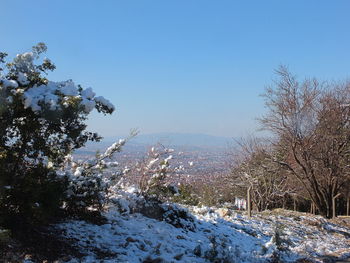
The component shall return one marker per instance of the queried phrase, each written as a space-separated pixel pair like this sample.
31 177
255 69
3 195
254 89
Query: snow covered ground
208 235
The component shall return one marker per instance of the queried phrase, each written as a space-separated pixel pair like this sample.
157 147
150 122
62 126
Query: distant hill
179 139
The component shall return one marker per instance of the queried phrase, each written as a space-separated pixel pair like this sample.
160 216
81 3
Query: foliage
156 176
186 195
208 195
91 180
5 236
40 123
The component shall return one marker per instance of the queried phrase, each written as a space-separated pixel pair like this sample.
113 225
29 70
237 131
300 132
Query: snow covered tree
41 122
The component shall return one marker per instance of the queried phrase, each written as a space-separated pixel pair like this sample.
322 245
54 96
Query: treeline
307 155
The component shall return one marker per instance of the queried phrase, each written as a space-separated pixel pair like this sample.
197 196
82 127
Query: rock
223 212
153 260
179 256
197 251
130 239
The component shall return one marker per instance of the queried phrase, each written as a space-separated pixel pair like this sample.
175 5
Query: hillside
171 233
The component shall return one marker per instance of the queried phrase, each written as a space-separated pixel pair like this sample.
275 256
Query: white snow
68 88
132 237
55 94
104 102
88 104
43 93
24 62
8 83
51 95
22 78
88 93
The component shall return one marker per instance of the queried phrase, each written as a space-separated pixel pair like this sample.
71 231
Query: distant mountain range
178 139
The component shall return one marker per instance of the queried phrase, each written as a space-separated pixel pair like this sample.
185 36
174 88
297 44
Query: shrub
157 176
90 181
41 122
186 195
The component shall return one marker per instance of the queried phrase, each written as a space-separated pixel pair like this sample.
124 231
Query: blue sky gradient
181 66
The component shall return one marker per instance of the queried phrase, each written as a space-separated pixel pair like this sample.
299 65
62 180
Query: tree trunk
334 205
324 206
249 203
294 204
311 207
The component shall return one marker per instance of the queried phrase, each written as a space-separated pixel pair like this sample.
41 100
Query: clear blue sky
184 65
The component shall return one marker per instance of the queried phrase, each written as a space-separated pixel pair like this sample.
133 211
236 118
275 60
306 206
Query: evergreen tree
41 122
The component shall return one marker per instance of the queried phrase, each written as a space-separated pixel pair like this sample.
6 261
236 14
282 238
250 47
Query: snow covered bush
178 217
127 200
41 122
91 180
155 191
155 174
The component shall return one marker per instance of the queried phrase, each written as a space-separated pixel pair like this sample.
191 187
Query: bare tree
255 167
311 123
